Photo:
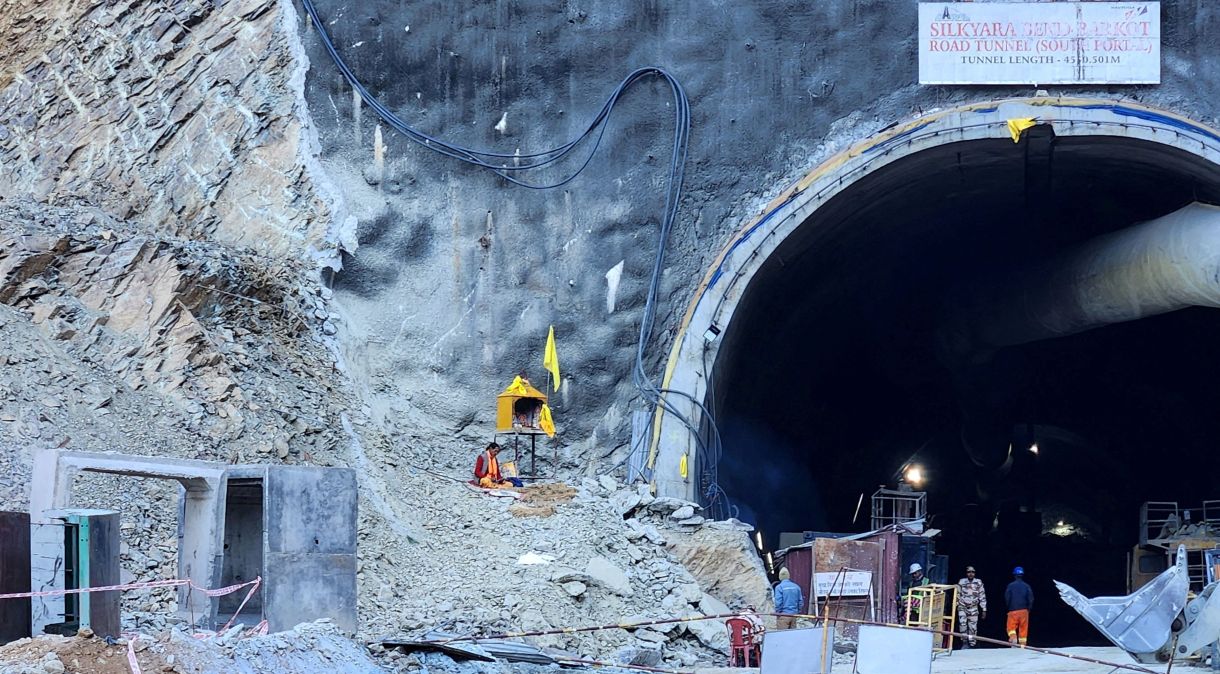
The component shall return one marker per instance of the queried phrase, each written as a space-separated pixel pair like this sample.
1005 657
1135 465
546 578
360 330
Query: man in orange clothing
1020 599
487 470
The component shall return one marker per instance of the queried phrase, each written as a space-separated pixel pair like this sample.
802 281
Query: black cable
596 129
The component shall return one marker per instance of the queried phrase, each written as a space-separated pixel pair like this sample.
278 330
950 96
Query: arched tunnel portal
862 324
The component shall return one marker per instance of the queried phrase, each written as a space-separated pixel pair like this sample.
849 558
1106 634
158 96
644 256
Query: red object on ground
743 652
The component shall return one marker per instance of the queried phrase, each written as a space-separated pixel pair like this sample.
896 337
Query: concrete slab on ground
1008 660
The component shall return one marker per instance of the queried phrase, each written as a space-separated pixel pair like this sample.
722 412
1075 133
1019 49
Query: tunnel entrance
831 375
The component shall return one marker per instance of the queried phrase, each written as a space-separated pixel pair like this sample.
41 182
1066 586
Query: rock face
186 115
725 564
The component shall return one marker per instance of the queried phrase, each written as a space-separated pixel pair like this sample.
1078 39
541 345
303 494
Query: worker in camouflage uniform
971 606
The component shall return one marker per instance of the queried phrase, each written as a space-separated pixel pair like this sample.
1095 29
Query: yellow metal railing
933 607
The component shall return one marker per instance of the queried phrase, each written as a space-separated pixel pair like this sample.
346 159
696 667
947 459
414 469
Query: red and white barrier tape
260 628
131 654
170 582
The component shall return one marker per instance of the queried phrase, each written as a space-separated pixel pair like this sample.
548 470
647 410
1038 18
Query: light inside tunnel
831 369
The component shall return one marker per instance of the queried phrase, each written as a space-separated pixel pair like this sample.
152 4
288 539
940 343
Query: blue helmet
1019 571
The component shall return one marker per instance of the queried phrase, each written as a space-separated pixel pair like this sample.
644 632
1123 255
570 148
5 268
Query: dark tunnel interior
829 379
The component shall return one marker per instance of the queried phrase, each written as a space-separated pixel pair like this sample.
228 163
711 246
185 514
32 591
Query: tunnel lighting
914 475
1060 522
1034 448
758 540
770 564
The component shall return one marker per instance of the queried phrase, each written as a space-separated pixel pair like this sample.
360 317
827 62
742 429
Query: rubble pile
310 648
599 559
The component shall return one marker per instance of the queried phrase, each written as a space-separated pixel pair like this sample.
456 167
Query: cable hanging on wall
510 165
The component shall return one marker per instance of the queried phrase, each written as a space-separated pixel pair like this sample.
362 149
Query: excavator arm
1157 620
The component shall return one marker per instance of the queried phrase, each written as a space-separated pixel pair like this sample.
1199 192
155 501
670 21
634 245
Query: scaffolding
1166 525
899 506
934 607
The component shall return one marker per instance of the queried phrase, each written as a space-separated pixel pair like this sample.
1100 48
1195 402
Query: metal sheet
103 570
14 575
831 555
1038 43
796 651
893 650
799 562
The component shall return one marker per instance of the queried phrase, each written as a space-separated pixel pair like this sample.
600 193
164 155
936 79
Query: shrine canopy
519 409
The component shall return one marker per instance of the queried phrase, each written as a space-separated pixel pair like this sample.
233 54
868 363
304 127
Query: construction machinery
1162 620
1165 525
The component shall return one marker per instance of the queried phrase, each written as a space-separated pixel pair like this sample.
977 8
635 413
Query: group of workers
972 604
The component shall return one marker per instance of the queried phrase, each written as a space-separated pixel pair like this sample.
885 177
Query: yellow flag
550 358
1016 126
545 422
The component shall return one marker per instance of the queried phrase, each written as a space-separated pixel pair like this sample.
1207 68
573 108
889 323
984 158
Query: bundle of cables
511 166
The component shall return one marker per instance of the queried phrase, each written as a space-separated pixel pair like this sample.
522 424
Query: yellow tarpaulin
550 359
545 422
517 388
1016 126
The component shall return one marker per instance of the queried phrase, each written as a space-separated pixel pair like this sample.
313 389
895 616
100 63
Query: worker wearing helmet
1020 599
917 579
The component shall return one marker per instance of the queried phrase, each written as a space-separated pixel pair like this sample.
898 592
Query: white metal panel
796 651
893 650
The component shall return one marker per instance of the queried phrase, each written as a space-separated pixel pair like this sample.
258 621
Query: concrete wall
311 546
458 274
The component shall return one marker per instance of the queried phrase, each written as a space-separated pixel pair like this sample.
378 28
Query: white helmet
915 567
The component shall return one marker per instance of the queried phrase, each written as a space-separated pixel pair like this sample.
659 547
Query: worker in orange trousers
1020 599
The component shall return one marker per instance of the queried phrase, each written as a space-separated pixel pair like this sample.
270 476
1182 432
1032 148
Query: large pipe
1162 265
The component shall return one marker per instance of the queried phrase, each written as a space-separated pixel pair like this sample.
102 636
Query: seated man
487 470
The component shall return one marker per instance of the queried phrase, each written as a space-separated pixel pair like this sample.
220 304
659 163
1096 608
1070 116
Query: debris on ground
540 500
310 648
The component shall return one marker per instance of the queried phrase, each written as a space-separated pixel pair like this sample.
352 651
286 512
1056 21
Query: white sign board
845 584
1040 43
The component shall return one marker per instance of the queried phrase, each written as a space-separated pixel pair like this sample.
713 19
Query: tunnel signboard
1040 43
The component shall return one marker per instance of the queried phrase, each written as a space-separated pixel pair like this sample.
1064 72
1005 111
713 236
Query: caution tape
173 582
169 582
131 654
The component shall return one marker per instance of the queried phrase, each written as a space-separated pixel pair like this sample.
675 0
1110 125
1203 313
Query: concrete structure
89 554
299 521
